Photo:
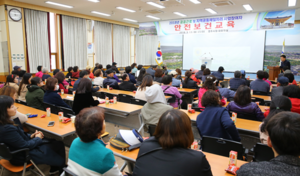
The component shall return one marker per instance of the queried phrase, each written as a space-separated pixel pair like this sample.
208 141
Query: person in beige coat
156 105
23 86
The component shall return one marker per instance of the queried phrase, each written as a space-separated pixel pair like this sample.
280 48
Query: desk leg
130 166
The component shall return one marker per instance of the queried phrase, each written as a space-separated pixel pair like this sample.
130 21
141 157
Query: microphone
211 56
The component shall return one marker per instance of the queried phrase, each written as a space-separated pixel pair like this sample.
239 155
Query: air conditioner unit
222 3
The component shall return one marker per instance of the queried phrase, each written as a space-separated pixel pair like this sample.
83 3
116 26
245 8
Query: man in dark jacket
127 84
284 62
235 82
219 74
151 70
199 74
282 82
110 80
83 74
283 130
114 67
131 77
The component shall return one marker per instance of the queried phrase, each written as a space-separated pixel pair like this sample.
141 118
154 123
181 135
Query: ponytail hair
187 74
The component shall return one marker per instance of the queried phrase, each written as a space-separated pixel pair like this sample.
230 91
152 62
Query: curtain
146 48
74 42
121 45
103 43
36 23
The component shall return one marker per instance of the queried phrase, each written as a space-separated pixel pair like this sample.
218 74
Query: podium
273 72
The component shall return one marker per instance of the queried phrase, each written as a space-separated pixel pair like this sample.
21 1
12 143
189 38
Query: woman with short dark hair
51 95
169 89
35 94
215 120
133 67
98 78
39 73
83 97
206 72
51 153
293 92
76 72
169 149
88 154
242 103
127 85
60 76
159 73
70 71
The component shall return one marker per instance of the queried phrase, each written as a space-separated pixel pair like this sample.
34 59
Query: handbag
126 140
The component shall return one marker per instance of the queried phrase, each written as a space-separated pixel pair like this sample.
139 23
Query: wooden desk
217 163
265 97
58 131
186 90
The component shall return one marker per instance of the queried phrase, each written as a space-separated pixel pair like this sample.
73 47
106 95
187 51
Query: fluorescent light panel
127 19
99 13
122 8
195 1
248 7
211 11
156 5
149 16
94 0
292 3
58 4
180 14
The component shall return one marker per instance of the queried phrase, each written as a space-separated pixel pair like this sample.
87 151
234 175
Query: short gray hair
45 70
237 74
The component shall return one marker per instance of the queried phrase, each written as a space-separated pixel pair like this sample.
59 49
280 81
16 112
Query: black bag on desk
126 140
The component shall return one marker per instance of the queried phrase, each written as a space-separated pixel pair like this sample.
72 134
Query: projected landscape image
171 48
147 29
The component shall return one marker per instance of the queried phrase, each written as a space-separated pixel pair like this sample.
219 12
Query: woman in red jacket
293 92
60 78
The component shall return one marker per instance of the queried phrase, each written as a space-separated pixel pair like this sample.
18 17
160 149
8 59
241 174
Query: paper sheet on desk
69 97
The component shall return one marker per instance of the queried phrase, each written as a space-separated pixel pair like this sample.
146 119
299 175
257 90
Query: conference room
149 87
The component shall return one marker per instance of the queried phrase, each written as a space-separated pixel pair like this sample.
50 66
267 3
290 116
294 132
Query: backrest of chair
54 109
260 93
5 152
138 102
171 100
21 102
247 116
110 96
125 98
221 146
68 172
262 152
67 112
260 100
151 129
198 109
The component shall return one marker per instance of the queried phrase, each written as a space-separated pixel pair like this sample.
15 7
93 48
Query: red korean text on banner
177 27
197 26
207 25
230 24
187 27
219 25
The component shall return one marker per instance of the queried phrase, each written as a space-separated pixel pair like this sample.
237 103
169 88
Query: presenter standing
284 63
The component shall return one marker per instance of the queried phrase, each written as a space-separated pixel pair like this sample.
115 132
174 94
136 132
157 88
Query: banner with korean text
229 23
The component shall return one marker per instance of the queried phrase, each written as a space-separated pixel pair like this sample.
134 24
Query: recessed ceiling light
94 0
99 13
195 1
58 4
248 7
211 11
156 5
180 14
292 3
149 16
122 8
127 19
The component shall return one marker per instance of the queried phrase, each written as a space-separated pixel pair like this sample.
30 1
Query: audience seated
142 73
199 74
167 88
225 92
84 74
242 103
179 74
17 71
110 80
39 73
114 71
98 78
70 71
291 77
64 81
188 82
101 68
23 86
60 76
88 154
165 69
206 72
45 74
219 74
193 77
127 85
88 69
51 95
96 68
285 70
293 92
138 70
278 104
283 130
51 153
35 95
282 83
215 120
83 97
169 149
76 72
259 85
151 70
266 77
235 82
156 105
11 92
209 84
159 74
131 76
12 80
147 82
244 78
175 82
133 68
114 67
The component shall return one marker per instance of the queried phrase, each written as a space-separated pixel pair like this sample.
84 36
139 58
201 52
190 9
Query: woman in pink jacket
40 73
209 84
